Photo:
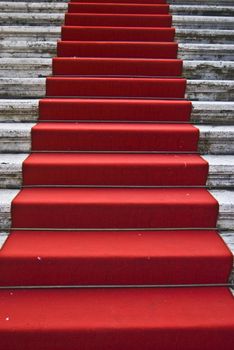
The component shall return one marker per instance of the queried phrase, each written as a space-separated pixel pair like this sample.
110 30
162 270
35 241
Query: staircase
121 160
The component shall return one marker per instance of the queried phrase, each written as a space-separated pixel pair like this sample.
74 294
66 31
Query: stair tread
110 33
114 137
111 207
110 257
110 66
132 316
114 169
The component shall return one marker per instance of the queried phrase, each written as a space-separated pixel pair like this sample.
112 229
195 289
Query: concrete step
44 49
186 7
202 90
43 33
224 197
179 21
221 170
16 137
203 112
41 67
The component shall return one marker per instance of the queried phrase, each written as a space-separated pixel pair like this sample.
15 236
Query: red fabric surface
137 8
114 109
116 20
114 137
120 1
115 169
124 257
70 33
114 208
115 87
103 319
117 49
119 66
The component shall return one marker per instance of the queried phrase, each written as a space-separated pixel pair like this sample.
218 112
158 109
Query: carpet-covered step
135 317
117 20
60 7
41 67
115 87
16 137
107 66
18 110
225 199
198 90
117 49
114 258
114 170
105 208
156 20
125 110
51 33
114 137
221 168
81 33
44 49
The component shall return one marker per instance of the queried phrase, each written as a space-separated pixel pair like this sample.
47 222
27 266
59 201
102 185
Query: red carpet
104 319
114 195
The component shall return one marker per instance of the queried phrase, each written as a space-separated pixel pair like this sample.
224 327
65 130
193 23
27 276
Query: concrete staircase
28 35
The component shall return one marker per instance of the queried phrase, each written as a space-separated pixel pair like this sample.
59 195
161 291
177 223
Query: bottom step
104 319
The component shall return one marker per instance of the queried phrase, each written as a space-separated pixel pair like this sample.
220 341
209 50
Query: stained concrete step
19 110
41 67
179 21
187 7
44 49
224 197
206 36
221 170
16 137
202 90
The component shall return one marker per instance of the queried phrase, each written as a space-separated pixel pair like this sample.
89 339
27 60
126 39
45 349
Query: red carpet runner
114 194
